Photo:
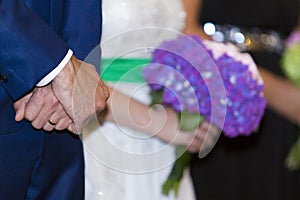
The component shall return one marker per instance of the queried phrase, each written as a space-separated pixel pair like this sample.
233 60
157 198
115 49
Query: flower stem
173 180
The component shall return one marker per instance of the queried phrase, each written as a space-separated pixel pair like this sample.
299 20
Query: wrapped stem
173 180
188 122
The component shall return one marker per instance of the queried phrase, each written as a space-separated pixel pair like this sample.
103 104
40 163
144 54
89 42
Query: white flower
218 49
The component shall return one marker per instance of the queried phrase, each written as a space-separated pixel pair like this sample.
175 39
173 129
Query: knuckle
36 124
100 105
29 116
53 101
106 93
59 127
42 91
47 128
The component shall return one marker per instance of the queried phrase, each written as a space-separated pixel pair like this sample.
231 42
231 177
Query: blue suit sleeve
29 48
82 29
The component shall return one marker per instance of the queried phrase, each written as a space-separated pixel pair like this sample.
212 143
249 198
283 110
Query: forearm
129 112
160 122
281 95
193 11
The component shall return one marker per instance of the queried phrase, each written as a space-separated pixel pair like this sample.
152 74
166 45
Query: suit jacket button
3 78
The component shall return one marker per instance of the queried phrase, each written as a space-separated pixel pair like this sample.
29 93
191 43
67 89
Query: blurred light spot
209 28
218 36
239 37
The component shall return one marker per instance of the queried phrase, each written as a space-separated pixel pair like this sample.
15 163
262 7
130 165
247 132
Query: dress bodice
135 25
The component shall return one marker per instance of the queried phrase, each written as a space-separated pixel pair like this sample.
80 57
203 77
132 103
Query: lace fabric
126 25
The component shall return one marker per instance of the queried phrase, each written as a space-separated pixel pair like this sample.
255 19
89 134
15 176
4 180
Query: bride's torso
130 28
135 25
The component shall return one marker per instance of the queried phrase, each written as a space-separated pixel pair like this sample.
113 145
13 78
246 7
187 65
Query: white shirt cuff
47 79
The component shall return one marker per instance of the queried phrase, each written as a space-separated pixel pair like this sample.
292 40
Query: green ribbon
123 69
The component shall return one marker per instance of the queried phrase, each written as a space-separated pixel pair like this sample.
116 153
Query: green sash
123 69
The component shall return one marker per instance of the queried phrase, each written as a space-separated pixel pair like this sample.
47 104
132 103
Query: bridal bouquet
291 58
205 80
290 64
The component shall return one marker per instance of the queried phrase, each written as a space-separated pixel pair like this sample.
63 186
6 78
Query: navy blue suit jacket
35 35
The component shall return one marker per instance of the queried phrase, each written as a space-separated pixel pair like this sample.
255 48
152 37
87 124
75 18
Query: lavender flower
215 81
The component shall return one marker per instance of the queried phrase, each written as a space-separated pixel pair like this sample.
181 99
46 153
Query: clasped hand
75 95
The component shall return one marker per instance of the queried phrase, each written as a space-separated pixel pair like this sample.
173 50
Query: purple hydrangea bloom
191 77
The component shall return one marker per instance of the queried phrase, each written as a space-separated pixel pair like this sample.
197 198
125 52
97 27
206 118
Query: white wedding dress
123 164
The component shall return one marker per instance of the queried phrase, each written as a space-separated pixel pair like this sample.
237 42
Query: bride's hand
209 135
200 140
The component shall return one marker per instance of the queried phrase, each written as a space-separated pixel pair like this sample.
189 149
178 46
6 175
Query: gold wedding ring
51 122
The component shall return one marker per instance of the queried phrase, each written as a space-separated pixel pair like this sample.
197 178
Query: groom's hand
80 91
76 94
42 109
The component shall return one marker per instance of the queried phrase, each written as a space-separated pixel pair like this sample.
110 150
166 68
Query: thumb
20 113
20 106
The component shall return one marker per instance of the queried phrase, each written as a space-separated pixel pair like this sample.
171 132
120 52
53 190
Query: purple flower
201 77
